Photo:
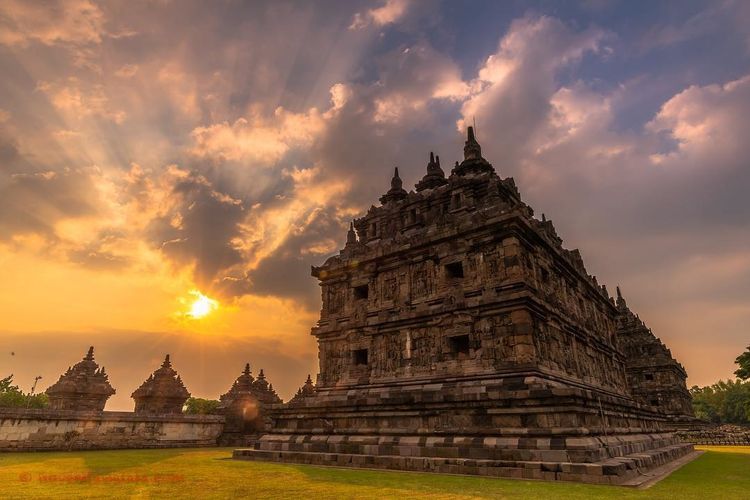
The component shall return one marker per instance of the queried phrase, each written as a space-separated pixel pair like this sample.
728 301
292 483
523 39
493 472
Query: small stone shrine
245 406
83 387
458 335
162 393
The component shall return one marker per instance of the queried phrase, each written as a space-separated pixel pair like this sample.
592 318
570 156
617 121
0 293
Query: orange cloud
390 12
63 21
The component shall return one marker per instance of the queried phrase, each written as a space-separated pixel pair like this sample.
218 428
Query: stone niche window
456 201
545 276
649 376
654 402
459 345
361 292
359 357
454 270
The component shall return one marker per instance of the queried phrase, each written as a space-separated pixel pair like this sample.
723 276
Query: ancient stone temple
458 335
83 387
245 406
654 376
162 393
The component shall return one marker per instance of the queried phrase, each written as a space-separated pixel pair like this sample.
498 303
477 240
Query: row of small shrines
86 387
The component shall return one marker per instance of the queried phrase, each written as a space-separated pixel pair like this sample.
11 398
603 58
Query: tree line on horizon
725 402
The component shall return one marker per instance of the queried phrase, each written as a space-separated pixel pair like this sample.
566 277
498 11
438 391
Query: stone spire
309 387
351 235
83 387
243 383
397 192
162 393
434 177
246 387
307 390
472 149
473 160
621 304
261 384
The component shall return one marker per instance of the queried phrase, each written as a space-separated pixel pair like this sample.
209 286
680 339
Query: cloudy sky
150 149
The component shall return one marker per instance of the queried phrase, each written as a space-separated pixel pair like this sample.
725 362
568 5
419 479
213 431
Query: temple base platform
556 459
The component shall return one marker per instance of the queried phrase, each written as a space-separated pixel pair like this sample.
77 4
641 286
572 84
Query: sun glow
202 306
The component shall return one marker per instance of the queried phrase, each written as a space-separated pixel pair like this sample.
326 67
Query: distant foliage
743 372
723 402
13 397
200 406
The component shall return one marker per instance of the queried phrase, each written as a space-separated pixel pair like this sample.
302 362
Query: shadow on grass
97 462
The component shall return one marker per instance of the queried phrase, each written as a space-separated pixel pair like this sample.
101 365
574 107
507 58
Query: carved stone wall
553 316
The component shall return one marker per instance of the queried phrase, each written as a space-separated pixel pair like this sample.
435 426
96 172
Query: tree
723 402
743 360
200 406
13 397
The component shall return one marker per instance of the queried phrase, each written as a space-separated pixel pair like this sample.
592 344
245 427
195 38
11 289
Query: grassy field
722 472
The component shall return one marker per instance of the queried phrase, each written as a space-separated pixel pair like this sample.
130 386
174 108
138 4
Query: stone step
612 471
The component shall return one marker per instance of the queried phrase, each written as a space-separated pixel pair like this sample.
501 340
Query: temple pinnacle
396 182
472 149
351 236
434 177
397 191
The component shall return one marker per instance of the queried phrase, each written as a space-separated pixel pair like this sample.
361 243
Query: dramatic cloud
229 155
77 102
35 198
200 227
389 12
50 22
512 91
259 141
33 202
706 123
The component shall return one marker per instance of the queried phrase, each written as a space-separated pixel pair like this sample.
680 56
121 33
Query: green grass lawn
722 472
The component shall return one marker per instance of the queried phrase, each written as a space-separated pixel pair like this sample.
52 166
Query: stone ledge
613 471
110 416
59 430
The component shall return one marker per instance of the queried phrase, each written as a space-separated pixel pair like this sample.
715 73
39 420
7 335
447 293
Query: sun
202 306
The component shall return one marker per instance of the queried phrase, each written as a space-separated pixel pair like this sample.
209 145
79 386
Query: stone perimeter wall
55 430
727 434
